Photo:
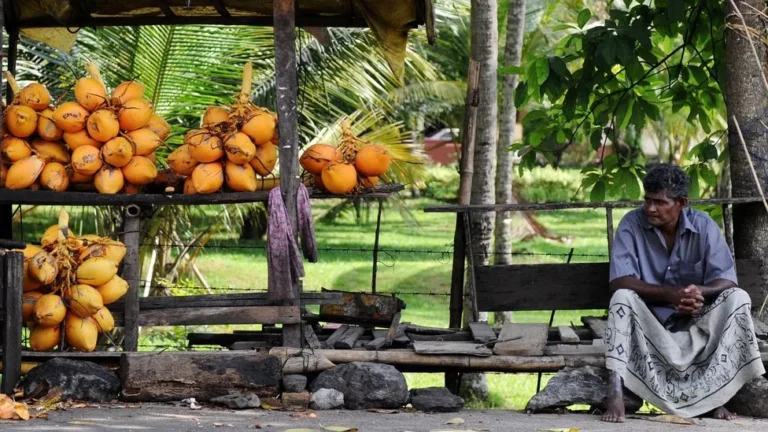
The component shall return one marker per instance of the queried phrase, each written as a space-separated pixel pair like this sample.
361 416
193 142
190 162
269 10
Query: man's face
661 210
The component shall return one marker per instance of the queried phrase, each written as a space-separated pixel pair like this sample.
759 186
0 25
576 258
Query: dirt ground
160 417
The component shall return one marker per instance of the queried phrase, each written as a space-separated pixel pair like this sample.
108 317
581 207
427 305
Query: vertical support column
376 250
609 229
287 115
131 273
12 275
466 170
728 227
6 210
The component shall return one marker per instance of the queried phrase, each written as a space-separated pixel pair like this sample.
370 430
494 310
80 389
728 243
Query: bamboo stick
405 358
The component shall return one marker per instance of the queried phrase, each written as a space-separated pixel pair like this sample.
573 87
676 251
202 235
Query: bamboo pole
408 358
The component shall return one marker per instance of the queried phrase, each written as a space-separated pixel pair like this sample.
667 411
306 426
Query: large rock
294 383
587 385
751 400
326 399
436 399
365 385
78 380
238 401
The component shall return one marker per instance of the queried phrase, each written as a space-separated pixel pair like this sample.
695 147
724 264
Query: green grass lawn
414 262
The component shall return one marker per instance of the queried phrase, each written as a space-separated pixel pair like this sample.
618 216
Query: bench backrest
573 286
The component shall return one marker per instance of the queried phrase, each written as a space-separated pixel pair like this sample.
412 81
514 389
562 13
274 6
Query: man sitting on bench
680 332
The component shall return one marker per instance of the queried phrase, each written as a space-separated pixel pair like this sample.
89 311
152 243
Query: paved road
158 417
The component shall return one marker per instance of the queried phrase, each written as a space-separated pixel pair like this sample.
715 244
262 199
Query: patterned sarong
689 370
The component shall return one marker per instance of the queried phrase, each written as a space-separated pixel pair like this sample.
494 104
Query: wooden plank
391 333
361 308
451 348
249 345
573 349
227 300
349 338
227 315
596 324
311 337
485 208
331 341
227 339
452 337
170 376
131 273
522 339
567 334
376 344
424 330
574 286
482 332
9 196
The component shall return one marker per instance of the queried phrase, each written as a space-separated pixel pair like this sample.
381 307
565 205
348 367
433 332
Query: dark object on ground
436 399
586 385
78 380
365 385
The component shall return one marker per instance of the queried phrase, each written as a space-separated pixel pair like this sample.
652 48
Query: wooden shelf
8 196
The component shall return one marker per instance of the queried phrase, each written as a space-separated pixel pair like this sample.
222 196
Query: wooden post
6 210
376 250
287 115
131 273
12 274
465 192
609 229
728 227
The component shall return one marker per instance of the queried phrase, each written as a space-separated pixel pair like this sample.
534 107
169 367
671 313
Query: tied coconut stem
245 88
63 226
12 82
93 71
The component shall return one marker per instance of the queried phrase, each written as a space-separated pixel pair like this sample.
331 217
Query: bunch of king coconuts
108 142
352 166
235 146
67 283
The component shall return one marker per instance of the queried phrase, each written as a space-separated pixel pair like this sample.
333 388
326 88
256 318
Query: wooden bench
574 286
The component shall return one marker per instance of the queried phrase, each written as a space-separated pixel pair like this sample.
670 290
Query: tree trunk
507 120
485 51
485 47
747 101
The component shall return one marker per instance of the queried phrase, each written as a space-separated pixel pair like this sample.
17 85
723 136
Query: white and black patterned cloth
690 369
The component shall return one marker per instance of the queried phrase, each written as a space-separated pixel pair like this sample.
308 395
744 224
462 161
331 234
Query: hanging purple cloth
283 257
306 225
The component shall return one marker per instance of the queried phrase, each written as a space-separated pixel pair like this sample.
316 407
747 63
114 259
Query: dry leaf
80 405
304 415
272 404
455 421
383 411
669 418
559 430
21 411
462 430
339 428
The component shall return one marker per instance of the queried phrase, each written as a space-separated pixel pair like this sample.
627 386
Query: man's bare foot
614 404
722 414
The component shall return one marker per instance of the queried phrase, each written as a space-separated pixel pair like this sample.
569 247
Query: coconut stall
96 147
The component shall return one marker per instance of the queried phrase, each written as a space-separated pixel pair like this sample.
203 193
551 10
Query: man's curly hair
667 178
